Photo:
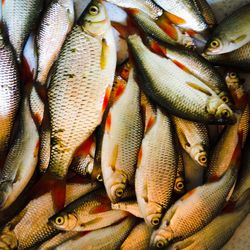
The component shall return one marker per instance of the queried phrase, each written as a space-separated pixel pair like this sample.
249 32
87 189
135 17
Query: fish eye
59 220
93 10
215 44
203 159
155 221
160 244
225 113
180 185
233 75
99 178
119 192
225 99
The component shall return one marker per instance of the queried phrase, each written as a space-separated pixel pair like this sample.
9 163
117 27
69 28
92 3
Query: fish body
156 169
184 13
55 25
122 140
179 186
166 84
129 206
79 93
231 34
19 18
9 93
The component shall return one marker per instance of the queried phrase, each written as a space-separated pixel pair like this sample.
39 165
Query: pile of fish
148 150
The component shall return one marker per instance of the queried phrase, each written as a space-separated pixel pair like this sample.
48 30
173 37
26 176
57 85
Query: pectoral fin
239 39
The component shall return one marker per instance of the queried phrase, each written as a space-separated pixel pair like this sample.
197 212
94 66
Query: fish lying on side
129 206
88 56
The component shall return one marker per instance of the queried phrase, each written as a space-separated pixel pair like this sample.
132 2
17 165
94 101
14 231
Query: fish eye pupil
224 99
155 221
233 75
214 44
99 178
93 10
180 185
59 220
160 244
119 192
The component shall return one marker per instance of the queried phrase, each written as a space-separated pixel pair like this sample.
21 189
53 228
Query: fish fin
122 29
170 214
199 88
157 48
145 191
104 54
175 19
3 2
58 193
114 157
182 66
133 11
106 99
108 123
85 148
139 157
91 222
183 244
101 208
150 123
120 86
183 140
164 23
191 33
239 39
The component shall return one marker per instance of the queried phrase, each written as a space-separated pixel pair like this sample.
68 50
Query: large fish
177 91
9 94
21 160
122 139
184 13
19 17
80 85
55 25
194 210
231 34
156 168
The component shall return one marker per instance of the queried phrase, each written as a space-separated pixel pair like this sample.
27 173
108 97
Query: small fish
146 6
110 237
184 13
9 94
231 34
129 206
179 186
175 90
138 238
56 23
19 17
87 213
87 56
193 211
122 139
156 168
21 160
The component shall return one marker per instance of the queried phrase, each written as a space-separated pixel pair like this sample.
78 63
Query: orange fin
145 191
106 99
133 11
239 39
191 33
164 23
114 157
119 88
101 208
122 29
156 48
108 123
199 88
182 66
3 2
139 157
58 193
85 148
175 19
150 123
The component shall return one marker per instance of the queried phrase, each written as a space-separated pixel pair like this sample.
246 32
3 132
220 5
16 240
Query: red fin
229 208
36 151
213 178
81 234
242 102
139 157
156 48
191 32
85 148
119 88
164 23
175 19
182 66
37 118
106 99
235 160
26 74
122 29
150 123
132 11
58 193
108 123
105 205
187 195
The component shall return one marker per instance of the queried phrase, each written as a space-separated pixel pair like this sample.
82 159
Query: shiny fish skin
129 206
55 25
9 94
90 48
167 84
188 11
231 34
121 141
18 18
216 233
147 6
156 169
21 160
105 238
87 213
138 238
193 138
193 211
32 229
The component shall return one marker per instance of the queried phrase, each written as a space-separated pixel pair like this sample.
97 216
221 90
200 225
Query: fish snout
161 238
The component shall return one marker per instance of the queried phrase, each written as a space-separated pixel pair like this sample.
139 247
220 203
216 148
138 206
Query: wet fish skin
9 94
91 48
21 160
129 206
196 106
56 23
121 140
87 213
18 18
156 169
186 14
231 33
181 220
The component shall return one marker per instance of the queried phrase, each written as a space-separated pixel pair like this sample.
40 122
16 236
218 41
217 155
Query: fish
122 139
156 168
179 186
231 34
146 6
87 213
90 47
110 237
21 160
184 13
19 18
9 94
193 138
138 238
166 84
29 228
217 232
129 206
55 25
193 211
192 63
238 58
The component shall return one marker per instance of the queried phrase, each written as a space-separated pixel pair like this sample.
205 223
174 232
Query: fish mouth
161 238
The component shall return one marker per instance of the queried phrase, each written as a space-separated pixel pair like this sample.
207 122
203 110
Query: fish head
233 80
117 191
160 238
153 214
199 154
179 185
95 19
5 190
215 46
64 221
224 97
